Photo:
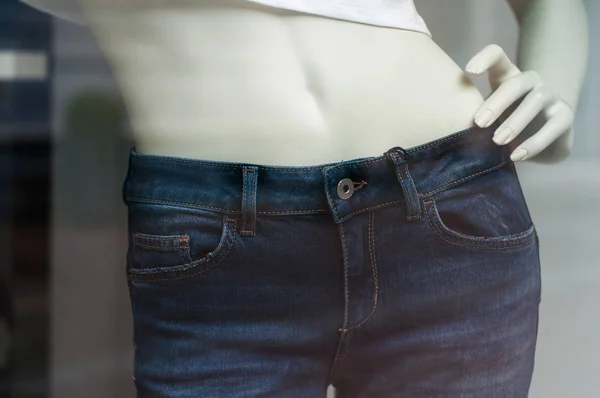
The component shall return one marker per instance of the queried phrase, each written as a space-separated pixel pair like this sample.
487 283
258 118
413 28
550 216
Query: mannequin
296 89
413 273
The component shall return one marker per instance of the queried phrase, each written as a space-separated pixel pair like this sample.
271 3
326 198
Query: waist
371 182
196 81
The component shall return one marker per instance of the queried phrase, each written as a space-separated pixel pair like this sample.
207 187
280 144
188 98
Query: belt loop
400 159
249 181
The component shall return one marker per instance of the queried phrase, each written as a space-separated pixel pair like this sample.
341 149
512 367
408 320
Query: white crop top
390 13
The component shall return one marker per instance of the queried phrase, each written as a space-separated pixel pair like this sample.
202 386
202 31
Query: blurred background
65 326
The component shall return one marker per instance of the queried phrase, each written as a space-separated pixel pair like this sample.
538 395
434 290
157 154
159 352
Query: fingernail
473 67
483 118
502 136
518 155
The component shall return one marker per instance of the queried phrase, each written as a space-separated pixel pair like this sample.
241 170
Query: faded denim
418 278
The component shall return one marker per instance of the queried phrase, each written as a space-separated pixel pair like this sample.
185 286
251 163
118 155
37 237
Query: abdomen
207 80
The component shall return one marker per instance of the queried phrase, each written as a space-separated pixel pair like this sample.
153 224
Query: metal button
345 188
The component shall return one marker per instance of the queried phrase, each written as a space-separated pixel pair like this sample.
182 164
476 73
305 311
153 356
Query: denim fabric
417 276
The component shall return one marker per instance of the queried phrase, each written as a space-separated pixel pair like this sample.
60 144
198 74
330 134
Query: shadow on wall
92 160
91 326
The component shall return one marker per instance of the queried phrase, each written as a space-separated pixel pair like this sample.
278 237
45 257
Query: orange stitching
244 209
498 166
253 190
410 179
358 163
293 211
346 288
176 203
368 208
475 247
205 207
142 235
159 248
223 257
329 200
373 267
375 262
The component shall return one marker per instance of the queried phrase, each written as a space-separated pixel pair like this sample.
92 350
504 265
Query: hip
237 267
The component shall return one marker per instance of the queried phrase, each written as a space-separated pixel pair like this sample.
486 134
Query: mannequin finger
493 59
505 95
556 126
527 110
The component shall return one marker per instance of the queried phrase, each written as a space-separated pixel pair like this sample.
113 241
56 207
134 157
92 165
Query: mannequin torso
238 81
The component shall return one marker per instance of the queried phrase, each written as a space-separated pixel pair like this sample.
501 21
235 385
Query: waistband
343 189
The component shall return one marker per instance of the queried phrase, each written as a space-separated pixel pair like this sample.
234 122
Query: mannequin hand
509 84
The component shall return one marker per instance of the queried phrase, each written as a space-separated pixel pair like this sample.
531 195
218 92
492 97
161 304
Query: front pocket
472 241
160 249
169 242
485 212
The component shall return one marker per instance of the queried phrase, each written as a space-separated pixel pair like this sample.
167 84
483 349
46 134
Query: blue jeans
411 274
